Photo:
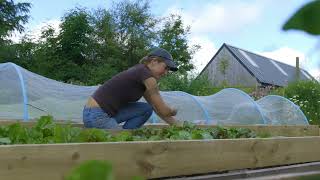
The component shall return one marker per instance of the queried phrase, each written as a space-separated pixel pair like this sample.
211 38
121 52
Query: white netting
281 111
26 95
44 96
11 100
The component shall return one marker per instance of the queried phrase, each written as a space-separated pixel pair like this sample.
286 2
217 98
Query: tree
105 34
46 54
135 30
223 66
75 39
92 46
173 37
74 48
12 17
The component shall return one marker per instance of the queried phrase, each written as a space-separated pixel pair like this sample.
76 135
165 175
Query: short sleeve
145 73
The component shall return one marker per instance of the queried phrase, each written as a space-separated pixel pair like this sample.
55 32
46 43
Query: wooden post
297 69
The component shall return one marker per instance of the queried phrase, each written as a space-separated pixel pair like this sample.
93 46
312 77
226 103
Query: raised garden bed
167 158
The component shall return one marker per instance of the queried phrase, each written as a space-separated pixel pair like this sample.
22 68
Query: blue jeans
134 115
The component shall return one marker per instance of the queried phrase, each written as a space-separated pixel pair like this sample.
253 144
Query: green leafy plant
305 94
223 67
196 86
263 135
189 131
306 19
93 170
47 131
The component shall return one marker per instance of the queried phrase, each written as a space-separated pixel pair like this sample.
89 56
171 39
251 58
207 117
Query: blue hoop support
24 92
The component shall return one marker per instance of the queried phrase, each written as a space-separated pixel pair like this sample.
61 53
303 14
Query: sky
253 25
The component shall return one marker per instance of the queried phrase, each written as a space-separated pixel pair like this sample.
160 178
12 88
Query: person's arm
153 97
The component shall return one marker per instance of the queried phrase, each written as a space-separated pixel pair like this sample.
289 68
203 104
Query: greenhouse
26 95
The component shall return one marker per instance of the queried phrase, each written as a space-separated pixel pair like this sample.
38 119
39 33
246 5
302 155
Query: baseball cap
166 56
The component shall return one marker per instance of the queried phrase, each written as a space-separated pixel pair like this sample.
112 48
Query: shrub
305 94
261 92
195 86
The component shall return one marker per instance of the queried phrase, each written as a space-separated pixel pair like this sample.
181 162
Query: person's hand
174 111
179 123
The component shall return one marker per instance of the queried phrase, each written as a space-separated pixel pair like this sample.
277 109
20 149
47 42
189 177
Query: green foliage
74 40
137 178
173 37
66 133
97 74
18 134
305 94
189 131
263 135
46 131
306 19
199 86
223 66
174 82
195 86
93 170
135 28
123 136
92 46
12 17
260 92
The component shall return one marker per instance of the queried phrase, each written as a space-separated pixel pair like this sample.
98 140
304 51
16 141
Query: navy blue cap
166 56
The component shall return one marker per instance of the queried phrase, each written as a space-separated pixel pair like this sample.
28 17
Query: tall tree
75 37
46 55
174 38
108 49
74 46
105 34
92 46
12 17
135 30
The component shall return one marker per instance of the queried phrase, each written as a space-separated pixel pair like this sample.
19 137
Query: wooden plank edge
263 173
157 159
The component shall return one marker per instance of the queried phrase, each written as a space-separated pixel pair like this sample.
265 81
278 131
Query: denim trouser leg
135 114
97 118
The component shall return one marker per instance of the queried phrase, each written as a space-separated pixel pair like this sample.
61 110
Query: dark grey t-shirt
121 89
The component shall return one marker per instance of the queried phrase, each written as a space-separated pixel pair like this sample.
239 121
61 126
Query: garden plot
162 158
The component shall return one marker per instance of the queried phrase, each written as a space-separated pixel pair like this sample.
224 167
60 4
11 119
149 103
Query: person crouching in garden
116 101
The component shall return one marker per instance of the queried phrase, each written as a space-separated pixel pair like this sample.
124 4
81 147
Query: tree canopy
92 46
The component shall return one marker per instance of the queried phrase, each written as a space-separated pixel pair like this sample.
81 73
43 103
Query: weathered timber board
155 159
